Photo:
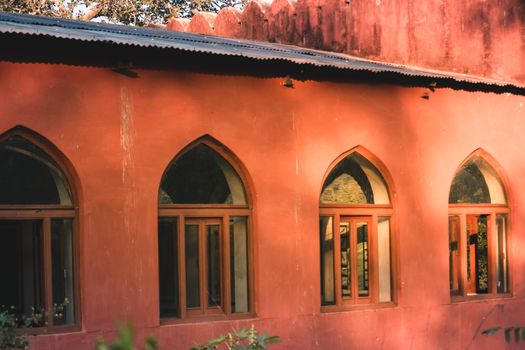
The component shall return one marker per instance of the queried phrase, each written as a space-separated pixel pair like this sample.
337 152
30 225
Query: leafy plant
12 326
125 341
518 333
244 339
9 337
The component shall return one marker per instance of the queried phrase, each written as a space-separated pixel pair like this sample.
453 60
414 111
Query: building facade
364 211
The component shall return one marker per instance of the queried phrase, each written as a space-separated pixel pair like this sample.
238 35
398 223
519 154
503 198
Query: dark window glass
239 264
21 267
469 186
62 271
346 259
214 265
503 283
362 259
168 267
201 176
29 176
453 254
192 266
327 260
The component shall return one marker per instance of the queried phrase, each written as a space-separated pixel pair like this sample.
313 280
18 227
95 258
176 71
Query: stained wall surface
120 134
479 37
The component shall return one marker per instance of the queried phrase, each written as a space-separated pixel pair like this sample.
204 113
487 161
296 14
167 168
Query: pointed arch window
478 216
38 234
205 267
355 235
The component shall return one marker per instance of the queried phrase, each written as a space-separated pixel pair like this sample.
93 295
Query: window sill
30 332
356 307
207 318
479 297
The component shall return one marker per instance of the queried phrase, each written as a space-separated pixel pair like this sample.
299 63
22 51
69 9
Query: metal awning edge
131 36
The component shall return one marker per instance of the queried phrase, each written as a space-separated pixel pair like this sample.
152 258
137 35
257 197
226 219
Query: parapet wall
479 37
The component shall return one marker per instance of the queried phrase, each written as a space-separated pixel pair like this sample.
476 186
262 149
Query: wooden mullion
203 268
356 211
203 206
373 260
201 213
226 273
36 214
251 265
477 209
353 261
182 266
76 274
337 260
48 278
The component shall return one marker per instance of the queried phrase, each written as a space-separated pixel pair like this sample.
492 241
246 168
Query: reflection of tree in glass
344 189
469 186
482 256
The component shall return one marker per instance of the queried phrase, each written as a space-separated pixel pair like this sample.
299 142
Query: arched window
38 232
355 234
477 219
204 236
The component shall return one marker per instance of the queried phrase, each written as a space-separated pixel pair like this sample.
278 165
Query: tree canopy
134 12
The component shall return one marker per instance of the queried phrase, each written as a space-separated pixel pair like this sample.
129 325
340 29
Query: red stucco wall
120 133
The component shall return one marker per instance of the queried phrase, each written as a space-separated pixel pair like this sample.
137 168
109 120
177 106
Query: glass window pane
383 249
346 280
168 267
327 260
477 254
354 180
29 176
469 186
214 265
62 271
362 259
201 176
503 283
21 266
239 264
453 254
191 252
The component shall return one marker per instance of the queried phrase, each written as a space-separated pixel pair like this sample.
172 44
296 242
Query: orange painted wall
120 134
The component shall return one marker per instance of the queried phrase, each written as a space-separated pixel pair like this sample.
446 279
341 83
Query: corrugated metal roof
158 38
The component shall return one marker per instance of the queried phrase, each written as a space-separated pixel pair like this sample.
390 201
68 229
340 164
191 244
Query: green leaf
491 331
517 334
508 332
151 344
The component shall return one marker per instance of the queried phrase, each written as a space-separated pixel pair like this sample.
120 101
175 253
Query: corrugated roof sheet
158 38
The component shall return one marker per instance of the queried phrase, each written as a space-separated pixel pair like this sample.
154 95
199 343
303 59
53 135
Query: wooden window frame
492 211
222 213
199 213
45 213
370 213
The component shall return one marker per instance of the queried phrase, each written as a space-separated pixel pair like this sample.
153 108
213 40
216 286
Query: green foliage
125 341
135 12
9 337
244 339
12 326
518 333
